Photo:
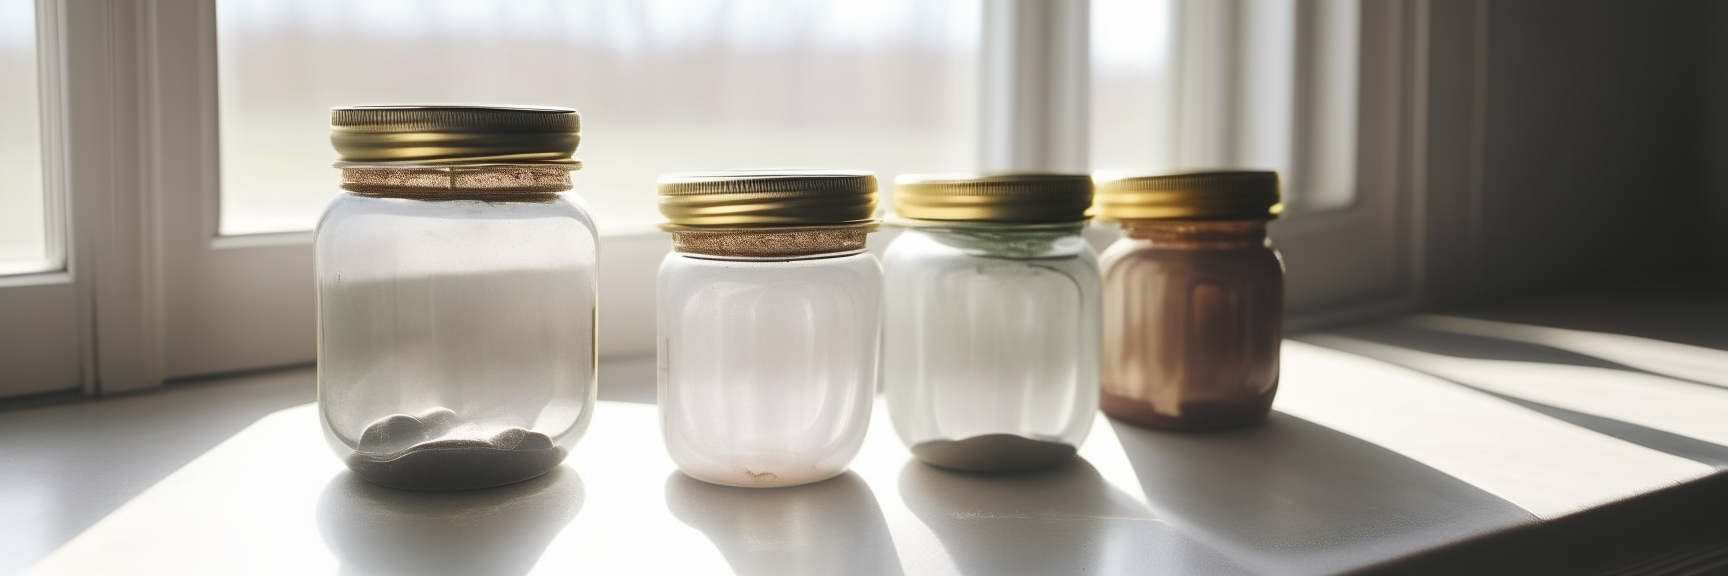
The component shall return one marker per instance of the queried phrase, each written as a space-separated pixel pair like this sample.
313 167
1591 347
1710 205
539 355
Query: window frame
41 343
152 286
1353 262
1380 230
50 333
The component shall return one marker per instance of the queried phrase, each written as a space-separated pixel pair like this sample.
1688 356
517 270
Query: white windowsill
1389 450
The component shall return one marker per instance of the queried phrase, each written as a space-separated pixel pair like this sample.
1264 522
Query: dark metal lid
750 198
1029 198
1216 195
455 134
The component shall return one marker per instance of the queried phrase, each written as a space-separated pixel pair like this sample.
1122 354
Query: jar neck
1056 228
1199 235
996 240
791 258
772 243
485 182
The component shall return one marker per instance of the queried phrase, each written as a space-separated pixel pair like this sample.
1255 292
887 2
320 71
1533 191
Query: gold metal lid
753 198
1219 195
1028 198
365 135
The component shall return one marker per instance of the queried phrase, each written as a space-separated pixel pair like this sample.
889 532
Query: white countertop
1364 463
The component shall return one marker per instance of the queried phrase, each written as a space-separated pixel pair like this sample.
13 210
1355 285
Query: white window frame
1344 264
1365 260
152 292
57 321
42 343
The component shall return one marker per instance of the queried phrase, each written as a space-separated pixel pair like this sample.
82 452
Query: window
42 343
1197 84
1289 85
663 85
178 151
27 243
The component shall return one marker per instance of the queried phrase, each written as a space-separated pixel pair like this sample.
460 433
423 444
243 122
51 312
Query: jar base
434 450
1189 416
753 479
994 453
454 468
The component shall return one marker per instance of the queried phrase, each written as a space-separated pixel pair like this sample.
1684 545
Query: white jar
456 296
769 322
990 361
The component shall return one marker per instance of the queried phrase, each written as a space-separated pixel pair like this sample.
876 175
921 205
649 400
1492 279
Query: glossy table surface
1423 444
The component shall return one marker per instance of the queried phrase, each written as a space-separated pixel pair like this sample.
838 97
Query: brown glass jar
1193 300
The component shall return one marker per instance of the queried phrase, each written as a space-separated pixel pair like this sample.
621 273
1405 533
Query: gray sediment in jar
994 453
433 451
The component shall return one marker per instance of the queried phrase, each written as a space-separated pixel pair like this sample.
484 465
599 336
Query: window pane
1202 84
24 244
663 85
1132 96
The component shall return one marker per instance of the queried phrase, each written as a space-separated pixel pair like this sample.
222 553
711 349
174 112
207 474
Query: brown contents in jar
1192 325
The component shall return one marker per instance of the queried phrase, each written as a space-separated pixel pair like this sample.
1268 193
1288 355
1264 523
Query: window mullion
1034 83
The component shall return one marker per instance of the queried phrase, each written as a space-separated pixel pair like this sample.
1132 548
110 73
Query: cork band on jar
492 183
770 242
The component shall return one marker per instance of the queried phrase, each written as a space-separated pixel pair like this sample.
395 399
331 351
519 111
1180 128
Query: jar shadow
830 527
1292 495
1065 520
373 529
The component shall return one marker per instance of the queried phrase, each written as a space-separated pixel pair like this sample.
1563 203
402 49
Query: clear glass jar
768 333
991 331
456 305
1193 301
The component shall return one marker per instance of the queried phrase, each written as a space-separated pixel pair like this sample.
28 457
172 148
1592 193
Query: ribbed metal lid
455 134
1215 195
746 198
1007 198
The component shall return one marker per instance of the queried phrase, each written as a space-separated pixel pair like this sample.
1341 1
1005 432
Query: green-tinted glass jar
990 358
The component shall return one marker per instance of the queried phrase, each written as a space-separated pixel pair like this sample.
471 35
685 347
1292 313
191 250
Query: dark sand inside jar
431 451
994 453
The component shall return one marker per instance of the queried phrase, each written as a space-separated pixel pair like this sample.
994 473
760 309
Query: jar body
991 344
767 369
1193 322
456 337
